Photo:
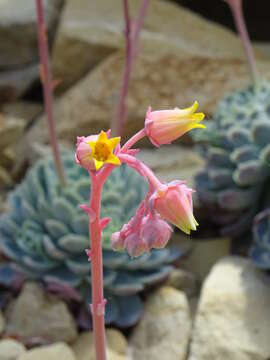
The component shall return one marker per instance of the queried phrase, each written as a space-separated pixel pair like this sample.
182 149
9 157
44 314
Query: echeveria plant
163 203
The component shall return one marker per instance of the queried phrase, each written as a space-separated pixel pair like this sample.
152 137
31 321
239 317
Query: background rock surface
233 317
164 330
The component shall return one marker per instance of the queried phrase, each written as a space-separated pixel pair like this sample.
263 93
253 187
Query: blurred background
205 296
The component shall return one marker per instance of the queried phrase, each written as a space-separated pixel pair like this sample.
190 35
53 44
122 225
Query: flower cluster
164 203
143 232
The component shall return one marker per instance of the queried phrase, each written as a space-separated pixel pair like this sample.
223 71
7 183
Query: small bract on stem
236 7
46 80
148 228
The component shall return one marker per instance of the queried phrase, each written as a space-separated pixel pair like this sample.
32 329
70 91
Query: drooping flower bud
165 126
134 244
117 241
155 232
173 202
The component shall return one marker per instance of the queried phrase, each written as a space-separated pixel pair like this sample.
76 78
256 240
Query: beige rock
18 35
116 341
91 30
164 330
164 82
36 315
203 253
117 345
11 129
183 280
56 351
11 349
5 178
2 323
25 110
233 318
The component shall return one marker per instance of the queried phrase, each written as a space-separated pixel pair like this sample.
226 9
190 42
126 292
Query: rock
173 162
14 83
116 345
164 330
164 82
18 31
203 253
233 318
11 129
11 349
2 324
56 351
25 110
116 341
183 280
90 31
35 315
5 178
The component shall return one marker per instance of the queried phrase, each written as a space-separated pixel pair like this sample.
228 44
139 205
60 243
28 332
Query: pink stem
132 38
45 75
237 11
141 168
138 136
98 301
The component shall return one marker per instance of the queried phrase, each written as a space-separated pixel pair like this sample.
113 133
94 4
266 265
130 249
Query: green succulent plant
236 145
46 233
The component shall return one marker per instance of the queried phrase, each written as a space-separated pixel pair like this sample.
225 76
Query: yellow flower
95 150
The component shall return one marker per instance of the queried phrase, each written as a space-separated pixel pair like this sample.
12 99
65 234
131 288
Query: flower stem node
89 211
104 222
100 310
165 126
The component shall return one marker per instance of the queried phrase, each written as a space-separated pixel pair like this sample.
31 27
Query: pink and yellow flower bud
165 126
173 202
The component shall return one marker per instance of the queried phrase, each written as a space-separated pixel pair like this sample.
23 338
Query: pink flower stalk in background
148 228
47 85
165 126
236 7
173 202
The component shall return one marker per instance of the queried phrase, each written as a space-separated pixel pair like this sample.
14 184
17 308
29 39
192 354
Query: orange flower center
102 151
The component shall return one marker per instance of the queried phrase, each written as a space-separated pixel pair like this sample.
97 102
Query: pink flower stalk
165 126
148 229
173 202
132 32
47 85
237 11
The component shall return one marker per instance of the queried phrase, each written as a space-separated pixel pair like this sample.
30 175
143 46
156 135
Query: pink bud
83 152
165 126
117 241
135 245
173 202
155 232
